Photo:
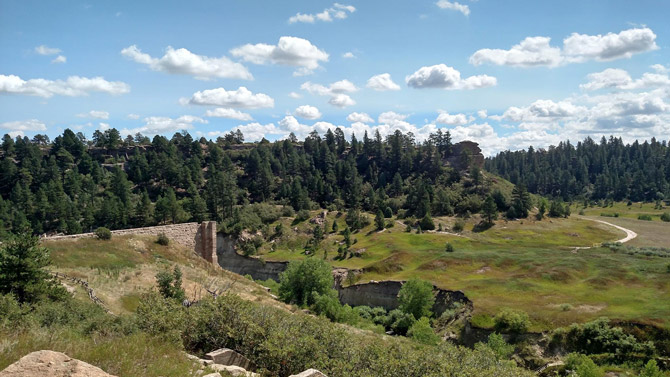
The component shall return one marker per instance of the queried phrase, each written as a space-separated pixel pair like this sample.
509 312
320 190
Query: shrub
103 233
498 345
651 370
459 225
416 298
644 217
281 343
301 279
162 239
598 337
449 248
665 217
582 365
302 215
422 332
427 223
399 321
511 321
169 284
23 271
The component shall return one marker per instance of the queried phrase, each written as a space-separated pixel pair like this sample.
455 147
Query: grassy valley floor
548 268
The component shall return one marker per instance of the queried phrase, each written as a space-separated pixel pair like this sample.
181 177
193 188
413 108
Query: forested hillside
72 185
606 170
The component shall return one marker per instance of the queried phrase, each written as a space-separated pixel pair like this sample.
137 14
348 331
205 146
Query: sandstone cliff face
465 154
51 364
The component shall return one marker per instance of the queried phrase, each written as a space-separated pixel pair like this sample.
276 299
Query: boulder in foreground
309 373
51 364
226 356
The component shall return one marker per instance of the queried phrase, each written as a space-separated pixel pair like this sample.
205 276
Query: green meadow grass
528 265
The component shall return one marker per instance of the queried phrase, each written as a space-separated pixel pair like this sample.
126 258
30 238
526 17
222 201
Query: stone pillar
211 243
205 241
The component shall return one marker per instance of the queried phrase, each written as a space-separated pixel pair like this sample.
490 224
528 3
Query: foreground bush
302 279
281 343
103 233
511 321
598 337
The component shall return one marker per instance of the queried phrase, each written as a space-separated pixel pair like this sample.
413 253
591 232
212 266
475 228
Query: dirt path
629 233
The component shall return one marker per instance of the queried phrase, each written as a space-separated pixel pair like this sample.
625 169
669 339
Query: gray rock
233 370
226 356
309 373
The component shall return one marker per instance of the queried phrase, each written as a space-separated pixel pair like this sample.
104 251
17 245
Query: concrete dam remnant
383 293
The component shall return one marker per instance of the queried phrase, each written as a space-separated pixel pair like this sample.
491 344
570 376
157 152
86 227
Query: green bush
511 321
651 370
498 345
459 225
449 248
23 273
422 332
427 223
162 239
103 233
665 217
416 298
644 217
302 279
582 366
169 284
281 343
598 337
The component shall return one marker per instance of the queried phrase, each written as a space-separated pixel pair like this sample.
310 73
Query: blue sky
506 74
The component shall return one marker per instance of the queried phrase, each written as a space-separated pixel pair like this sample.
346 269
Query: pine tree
490 210
379 220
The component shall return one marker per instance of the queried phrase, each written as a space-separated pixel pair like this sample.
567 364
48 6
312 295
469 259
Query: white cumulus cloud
452 119
577 48
73 86
615 78
444 77
222 112
382 82
184 62
156 125
337 11
95 114
308 112
240 98
45 50
21 126
59 59
348 55
360 118
454 5
290 51
336 91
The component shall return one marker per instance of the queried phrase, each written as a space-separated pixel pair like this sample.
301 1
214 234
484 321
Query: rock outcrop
226 356
51 364
309 373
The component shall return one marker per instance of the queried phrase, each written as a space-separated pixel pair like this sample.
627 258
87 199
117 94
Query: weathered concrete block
226 356
309 373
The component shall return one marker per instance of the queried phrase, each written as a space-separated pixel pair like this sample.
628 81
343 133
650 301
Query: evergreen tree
490 210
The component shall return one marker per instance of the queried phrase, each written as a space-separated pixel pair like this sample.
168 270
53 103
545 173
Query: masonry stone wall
198 237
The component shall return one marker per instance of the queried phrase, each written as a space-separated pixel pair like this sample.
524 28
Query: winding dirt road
629 233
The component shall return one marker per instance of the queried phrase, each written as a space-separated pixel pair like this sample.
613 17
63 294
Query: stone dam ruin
219 248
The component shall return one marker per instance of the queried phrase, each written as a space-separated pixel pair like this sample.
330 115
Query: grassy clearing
529 265
623 210
121 269
133 355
